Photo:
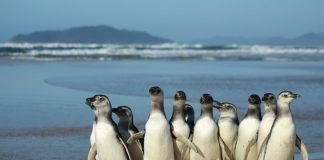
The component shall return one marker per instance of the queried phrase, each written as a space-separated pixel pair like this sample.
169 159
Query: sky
179 20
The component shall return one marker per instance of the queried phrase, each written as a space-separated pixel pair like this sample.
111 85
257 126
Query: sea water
43 115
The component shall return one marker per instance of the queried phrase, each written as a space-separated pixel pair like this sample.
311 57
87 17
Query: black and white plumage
126 129
108 142
179 124
228 128
158 143
270 109
282 141
246 147
190 117
205 134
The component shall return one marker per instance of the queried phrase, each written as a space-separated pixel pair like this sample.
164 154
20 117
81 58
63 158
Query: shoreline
43 118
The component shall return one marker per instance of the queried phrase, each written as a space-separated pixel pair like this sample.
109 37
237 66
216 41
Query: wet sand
44 116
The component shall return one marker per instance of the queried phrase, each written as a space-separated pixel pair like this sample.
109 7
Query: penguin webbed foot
135 137
187 142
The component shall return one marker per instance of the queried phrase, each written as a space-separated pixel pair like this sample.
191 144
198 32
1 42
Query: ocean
44 87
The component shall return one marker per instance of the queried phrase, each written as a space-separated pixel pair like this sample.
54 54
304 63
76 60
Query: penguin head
180 95
99 103
206 99
123 112
226 107
270 100
287 97
254 99
179 99
156 94
155 90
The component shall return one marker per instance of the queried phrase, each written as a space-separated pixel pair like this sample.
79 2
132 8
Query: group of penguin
268 137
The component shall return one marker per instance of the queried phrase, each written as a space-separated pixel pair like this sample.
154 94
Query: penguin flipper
125 147
92 152
135 136
187 142
265 141
302 147
235 143
227 150
248 147
185 150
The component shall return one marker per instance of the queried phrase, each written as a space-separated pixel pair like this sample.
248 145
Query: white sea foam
168 50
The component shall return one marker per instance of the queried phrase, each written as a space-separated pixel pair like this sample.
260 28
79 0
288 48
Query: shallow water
43 111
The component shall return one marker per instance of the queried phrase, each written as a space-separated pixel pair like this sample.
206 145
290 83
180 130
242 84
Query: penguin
205 134
109 144
190 120
228 128
179 124
127 128
283 136
246 147
158 143
158 135
270 109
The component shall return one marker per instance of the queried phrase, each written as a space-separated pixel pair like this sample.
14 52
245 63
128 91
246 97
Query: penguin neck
270 108
283 109
124 122
228 115
157 107
254 111
206 110
104 117
178 110
104 114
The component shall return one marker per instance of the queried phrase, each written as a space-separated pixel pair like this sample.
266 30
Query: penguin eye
285 95
101 99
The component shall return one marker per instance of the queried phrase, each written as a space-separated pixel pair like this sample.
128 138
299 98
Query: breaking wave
61 51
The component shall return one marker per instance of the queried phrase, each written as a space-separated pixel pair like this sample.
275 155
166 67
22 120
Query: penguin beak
89 101
217 104
295 96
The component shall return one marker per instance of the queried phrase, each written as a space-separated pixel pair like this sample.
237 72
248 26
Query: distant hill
305 39
89 34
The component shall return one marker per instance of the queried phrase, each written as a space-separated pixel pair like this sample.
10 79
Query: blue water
43 111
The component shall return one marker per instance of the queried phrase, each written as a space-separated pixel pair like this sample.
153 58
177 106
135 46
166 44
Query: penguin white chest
205 137
247 132
265 127
108 145
228 131
282 140
158 141
181 127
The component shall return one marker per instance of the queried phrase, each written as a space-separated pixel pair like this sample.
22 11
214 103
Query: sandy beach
44 116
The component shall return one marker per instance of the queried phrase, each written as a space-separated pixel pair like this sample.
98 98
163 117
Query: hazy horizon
182 21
